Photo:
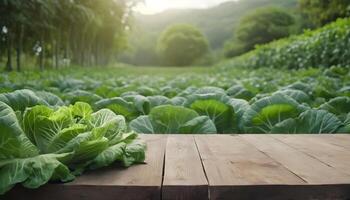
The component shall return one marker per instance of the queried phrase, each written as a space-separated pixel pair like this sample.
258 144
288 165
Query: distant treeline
270 23
257 22
216 23
64 32
54 34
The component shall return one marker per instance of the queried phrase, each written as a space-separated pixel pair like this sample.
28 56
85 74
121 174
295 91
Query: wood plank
237 167
282 192
184 177
137 182
308 168
342 140
237 170
336 156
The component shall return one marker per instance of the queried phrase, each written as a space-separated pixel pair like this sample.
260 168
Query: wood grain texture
342 140
281 192
270 167
230 163
184 177
229 160
136 182
333 155
308 168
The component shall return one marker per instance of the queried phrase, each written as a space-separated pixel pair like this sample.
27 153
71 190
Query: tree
321 12
10 18
86 32
259 27
182 45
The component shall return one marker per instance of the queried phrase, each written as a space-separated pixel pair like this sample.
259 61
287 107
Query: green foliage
339 106
219 100
142 49
173 119
264 114
45 144
310 121
79 32
217 24
325 47
259 27
21 99
234 47
218 107
181 45
321 12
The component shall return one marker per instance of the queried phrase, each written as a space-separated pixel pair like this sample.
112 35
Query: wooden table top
218 167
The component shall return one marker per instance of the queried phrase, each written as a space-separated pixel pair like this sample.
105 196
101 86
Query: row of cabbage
304 101
205 110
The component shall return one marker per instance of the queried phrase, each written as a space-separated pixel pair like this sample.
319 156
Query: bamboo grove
63 32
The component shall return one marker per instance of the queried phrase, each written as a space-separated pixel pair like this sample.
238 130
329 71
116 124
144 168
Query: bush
259 27
234 48
321 12
324 47
182 45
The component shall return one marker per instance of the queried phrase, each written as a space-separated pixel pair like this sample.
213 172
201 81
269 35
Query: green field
214 99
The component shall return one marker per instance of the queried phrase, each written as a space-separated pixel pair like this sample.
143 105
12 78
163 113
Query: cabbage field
218 100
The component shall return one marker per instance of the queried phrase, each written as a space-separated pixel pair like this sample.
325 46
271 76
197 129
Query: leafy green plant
21 99
217 107
310 121
264 114
46 144
173 119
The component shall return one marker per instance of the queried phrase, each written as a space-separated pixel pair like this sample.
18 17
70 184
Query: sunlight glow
156 6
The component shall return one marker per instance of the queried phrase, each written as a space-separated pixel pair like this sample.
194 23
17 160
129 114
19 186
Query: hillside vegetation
216 23
324 47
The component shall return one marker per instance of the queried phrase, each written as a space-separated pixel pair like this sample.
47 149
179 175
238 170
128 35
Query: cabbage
48 144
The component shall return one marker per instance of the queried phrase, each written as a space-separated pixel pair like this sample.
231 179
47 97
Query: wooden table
218 167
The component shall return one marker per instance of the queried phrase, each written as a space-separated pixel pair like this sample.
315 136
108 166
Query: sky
156 6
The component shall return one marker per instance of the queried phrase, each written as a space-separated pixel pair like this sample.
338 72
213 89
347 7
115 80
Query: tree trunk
96 55
65 54
9 54
56 54
18 58
19 48
42 55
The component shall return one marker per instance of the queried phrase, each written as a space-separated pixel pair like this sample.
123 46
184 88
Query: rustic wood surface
184 177
218 167
326 152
